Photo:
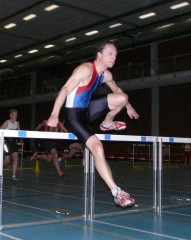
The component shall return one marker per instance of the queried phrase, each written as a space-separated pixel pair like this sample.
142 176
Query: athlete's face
13 116
108 55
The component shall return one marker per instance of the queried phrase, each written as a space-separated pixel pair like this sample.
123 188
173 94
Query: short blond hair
13 110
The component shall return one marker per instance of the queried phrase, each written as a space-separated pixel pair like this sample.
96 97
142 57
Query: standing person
80 111
11 143
50 145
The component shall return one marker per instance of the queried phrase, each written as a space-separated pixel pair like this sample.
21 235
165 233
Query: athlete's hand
132 113
52 121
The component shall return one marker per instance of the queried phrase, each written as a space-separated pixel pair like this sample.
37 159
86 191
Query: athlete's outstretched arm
4 125
108 79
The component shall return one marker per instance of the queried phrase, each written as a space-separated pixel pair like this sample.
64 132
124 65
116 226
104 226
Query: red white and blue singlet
80 109
80 96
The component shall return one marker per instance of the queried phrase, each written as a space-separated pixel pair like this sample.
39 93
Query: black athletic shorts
78 120
11 146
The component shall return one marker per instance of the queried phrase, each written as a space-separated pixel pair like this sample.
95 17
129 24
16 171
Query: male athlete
11 143
50 145
80 111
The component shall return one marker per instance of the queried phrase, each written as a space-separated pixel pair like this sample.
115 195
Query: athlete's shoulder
6 122
86 66
83 67
83 70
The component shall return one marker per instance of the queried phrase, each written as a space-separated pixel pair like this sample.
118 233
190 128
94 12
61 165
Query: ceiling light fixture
115 25
167 25
3 61
70 39
91 33
33 51
49 46
10 25
147 15
29 17
180 5
18 55
51 7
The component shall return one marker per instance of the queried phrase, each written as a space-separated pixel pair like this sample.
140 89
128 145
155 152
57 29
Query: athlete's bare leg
116 102
15 157
96 148
6 160
74 147
45 157
54 154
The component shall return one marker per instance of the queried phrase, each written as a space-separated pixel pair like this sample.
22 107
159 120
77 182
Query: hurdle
166 140
148 153
89 169
21 151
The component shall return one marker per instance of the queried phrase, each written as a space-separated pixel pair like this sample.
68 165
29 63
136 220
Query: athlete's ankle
115 191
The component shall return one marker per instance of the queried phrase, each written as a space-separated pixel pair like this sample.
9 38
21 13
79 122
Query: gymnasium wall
175 104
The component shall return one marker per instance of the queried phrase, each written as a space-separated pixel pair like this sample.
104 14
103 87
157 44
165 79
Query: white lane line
139 230
27 206
179 214
9 236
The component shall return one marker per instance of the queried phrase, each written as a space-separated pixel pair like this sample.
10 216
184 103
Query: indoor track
50 207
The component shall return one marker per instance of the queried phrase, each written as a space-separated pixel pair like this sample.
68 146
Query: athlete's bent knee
123 99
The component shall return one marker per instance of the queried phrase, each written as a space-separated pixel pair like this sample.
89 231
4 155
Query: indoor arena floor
43 206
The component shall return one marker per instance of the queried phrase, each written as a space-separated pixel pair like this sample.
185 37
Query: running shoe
61 174
123 199
114 126
15 179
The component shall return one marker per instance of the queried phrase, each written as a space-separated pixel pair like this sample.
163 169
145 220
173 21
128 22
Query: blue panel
71 136
171 139
22 134
107 137
143 139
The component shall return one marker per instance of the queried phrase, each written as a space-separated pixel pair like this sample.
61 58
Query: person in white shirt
11 147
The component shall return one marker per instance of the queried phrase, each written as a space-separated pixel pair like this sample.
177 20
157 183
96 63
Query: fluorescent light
70 39
51 7
18 55
33 51
53 56
115 25
147 15
3 61
29 17
180 5
167 25
91 33
49 46
10 25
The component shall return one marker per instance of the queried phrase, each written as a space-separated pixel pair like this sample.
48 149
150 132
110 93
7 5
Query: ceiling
73 19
